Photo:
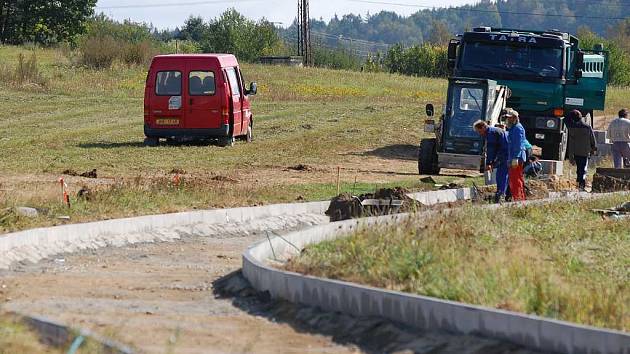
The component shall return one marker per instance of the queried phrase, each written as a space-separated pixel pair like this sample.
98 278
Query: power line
487 11
173 4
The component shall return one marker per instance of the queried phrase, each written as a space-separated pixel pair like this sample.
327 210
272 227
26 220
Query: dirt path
155 297
185 297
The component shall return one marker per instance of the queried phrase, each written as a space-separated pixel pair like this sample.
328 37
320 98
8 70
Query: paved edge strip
418 311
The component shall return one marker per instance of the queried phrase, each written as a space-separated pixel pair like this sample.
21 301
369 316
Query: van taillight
225 106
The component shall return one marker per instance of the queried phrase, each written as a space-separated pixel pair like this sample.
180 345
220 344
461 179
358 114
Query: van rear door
237 96
203 109
166 105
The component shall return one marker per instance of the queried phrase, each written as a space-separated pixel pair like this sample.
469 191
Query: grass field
367 124
560 261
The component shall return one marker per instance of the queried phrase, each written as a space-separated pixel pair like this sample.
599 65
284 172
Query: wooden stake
338 180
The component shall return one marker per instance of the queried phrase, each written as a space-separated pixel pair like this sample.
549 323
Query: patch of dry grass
559 260
15 337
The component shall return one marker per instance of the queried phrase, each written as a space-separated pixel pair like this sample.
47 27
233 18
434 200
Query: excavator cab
456 144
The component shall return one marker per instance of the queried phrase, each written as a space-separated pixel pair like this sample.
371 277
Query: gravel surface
185 295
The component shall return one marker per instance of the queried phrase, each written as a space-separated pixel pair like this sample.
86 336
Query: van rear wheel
151 141
226 141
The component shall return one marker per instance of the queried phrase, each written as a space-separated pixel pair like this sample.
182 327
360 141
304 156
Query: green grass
87 119
560 260
367 123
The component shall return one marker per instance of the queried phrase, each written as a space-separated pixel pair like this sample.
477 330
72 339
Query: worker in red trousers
516 154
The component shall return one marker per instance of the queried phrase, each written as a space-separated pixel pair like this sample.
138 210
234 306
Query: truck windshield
467 107
518 61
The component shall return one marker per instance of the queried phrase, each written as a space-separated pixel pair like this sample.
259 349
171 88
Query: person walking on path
581 145
619 135
516 154
496 155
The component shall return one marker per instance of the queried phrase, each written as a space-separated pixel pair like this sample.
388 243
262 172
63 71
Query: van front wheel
250 133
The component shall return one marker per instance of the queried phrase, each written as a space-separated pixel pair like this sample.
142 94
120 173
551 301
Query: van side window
201 83
233 79
168 83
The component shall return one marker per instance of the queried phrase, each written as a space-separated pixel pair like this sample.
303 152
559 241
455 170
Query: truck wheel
427 158
556 151
226 141
151 141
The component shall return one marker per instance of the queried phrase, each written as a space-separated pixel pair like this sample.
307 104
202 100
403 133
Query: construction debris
382 202
622 211
608 180
85 193
27 212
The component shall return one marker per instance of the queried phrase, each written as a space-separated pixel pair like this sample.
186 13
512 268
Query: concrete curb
418 311
37 244
59 335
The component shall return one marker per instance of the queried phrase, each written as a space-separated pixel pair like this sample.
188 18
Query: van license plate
167 121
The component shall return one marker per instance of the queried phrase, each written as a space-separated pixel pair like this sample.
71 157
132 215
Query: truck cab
547 72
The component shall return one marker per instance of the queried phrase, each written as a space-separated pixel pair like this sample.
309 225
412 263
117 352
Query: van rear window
168 83
201 83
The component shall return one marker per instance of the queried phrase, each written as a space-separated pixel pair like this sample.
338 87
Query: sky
281 11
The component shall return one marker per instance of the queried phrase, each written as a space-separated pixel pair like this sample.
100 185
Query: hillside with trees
601 16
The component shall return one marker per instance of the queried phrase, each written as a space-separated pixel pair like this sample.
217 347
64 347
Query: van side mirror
253 89
430 110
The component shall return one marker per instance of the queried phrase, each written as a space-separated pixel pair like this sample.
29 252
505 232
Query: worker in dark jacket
496 155
516 154
581 145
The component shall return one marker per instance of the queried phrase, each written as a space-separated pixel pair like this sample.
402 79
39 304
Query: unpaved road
164 298
155 297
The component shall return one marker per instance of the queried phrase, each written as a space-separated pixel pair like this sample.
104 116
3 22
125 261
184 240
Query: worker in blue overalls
496 155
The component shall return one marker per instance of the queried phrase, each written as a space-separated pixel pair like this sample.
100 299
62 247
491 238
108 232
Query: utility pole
304 33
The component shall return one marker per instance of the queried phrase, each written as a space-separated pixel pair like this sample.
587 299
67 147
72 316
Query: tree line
43 21
420 39
601 17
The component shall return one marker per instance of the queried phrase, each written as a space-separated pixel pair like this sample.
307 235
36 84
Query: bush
138 53
26 72
179 46
98 52
420 60
107 41
335 59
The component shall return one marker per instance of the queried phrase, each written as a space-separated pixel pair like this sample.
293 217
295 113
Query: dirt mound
88 174
540 188
178 171
607 184
220 178
346 206
300 167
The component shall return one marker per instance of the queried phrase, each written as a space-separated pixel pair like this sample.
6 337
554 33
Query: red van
197 96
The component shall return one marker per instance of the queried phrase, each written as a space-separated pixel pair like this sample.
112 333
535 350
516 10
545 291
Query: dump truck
548 75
